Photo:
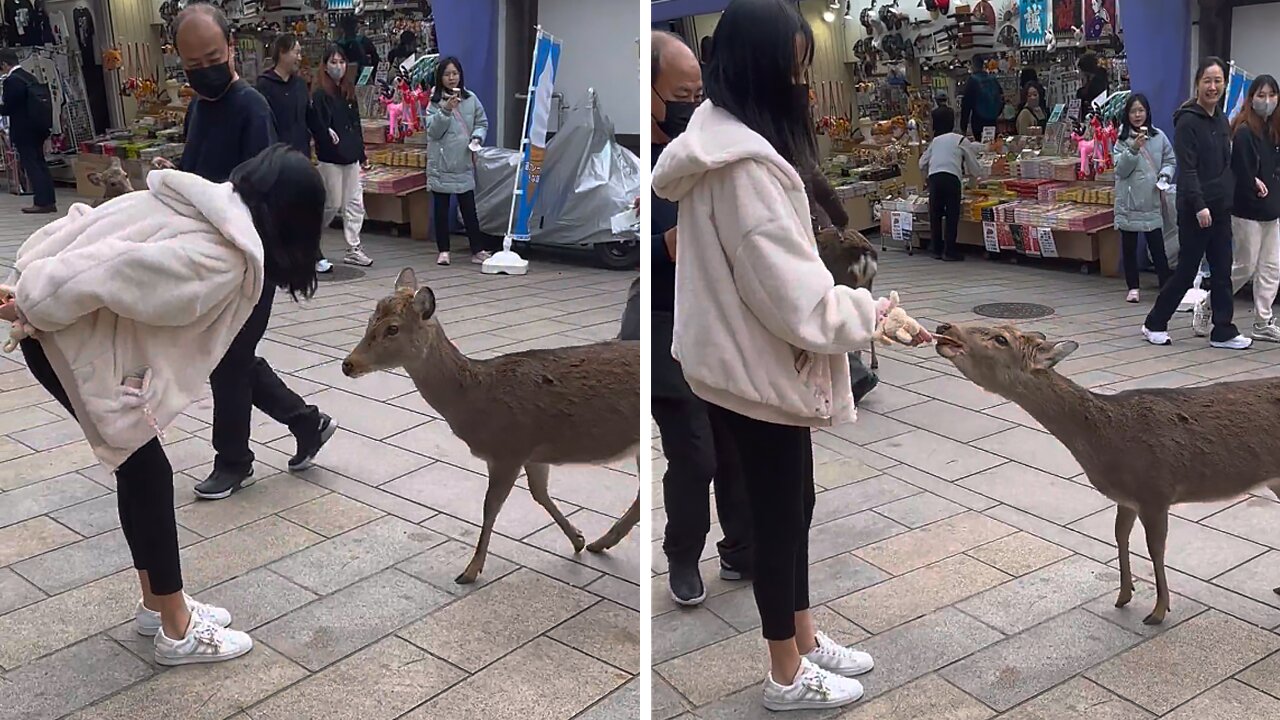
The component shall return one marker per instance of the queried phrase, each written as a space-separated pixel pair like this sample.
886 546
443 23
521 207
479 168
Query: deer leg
1125 516
501 479
1155 522
539 474
875 362
619 529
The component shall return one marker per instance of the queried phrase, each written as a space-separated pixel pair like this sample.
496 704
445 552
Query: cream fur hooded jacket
761 328
151 286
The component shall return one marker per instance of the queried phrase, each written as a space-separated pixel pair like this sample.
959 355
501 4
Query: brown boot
40 209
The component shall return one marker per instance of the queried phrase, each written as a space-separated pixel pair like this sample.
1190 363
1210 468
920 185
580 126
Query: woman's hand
1204 218
161 163
333 136
9 311
1262 187
1139 142
452 103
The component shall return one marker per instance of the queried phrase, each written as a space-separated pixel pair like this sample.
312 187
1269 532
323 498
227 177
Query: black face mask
677 119
211 82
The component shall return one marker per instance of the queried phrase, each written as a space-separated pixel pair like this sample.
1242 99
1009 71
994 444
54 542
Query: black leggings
442 219
777 470
144 493
1155 248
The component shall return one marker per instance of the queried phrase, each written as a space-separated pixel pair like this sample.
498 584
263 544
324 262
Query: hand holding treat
894 325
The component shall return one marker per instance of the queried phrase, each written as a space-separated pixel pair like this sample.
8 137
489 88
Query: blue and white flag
546 58
1237 86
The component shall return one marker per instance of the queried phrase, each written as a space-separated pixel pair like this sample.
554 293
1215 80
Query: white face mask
336 71
1264 108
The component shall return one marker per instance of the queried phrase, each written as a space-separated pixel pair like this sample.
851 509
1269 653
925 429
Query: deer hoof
1155 618
1276 590
1126 594
579 541
599 546
466 578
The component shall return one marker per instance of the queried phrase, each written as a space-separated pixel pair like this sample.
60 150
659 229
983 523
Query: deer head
849 257
1000 359
114 181
402 329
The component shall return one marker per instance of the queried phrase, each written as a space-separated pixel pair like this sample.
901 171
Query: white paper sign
895 225
988 134
906 222
989 237
1048 248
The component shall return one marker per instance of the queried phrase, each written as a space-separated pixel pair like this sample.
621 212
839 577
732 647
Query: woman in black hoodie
286 93
335 124
1206 186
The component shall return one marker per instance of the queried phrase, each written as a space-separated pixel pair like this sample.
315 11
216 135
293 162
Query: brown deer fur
852 261
114 181
529 410
1146 449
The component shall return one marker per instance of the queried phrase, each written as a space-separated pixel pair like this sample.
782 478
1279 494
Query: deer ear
1050 354
1036 334
407 280
424 301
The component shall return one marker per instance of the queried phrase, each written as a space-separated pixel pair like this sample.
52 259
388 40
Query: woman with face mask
456 126
335 125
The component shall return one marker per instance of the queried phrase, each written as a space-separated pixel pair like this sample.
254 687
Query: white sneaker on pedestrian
323 266
147 622
1132 296
204 642
836 658
812 689
1267 331
356 256
480 257
442 258
1156 337
1201 317
1238 342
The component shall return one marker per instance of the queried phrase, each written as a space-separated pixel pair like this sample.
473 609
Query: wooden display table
411 207
1101 246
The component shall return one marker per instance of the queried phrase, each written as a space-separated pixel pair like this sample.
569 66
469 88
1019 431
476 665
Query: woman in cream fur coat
129 306
761 330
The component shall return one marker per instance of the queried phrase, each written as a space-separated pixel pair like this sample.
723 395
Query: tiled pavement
962 546
344 573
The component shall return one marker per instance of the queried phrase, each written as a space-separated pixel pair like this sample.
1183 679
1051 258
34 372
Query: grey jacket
449 165
1137 199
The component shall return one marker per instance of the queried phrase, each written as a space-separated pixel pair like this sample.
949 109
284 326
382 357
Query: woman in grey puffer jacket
1144 156
456 126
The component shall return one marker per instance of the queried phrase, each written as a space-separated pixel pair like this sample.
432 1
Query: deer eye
393 330
1001 340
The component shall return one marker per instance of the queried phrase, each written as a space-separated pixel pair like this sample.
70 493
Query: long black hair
1126 127
438 93
753 69
285 196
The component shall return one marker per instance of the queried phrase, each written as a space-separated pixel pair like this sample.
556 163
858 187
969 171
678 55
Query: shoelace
209 634
817 681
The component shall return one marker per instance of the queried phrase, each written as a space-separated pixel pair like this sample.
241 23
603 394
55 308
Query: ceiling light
828 16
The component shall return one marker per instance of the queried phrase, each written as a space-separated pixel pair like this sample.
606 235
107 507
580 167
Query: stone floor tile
941 488
932 543
366 417
621 703
381 386
460 493
1042 594
834 473
16 592
328 629
922 646
331 514
1033 448
78 563
1254 519
888 398
543 680
951 421
371 496
465 633
1264 675
685 630
1019 668
1229 700
1157 675
212 561
1069 539
348 454
265 497
714 671
81 612
620 591
1130 616
1191 547
870 427
929 697
380 682
32 537
1019 554
855 497
356 554
665 702
917 593
23 471
436 441
606 631
936 455
958 391
850 533
920 510
92 517
1039 493
602 489
622 560
257 597
44 496
1077 699
442 564
68 680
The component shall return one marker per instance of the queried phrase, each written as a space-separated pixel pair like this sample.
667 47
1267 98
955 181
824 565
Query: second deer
114 181
533 409
1146 449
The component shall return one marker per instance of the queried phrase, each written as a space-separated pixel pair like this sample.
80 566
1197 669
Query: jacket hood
269 75
1192 107
193 196
714 139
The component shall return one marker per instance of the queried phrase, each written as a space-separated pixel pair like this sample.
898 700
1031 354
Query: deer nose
943 329
348 368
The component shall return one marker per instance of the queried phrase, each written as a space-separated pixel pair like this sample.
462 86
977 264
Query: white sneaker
323 266
1132 296
205 642
836 658
356 256
812 689
1201 317
480 257
1156 338
442 259
147 622
1267 331
1238 342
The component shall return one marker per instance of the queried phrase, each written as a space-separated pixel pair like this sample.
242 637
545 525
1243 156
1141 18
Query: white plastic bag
1194 295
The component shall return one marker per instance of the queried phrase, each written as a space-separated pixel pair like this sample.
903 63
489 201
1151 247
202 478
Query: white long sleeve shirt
949 153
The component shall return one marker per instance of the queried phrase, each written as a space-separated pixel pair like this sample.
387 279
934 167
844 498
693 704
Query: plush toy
395 115
896 326
1087 146
19 330
409 107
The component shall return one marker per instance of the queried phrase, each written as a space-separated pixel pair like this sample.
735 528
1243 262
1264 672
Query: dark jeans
31 157
441 217
944 204
243 381
777 469
144 493
1212 243
1155 248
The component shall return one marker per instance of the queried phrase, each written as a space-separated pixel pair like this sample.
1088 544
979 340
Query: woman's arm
1246 164
1026 121
1189 188
437 120
318 117
1126 158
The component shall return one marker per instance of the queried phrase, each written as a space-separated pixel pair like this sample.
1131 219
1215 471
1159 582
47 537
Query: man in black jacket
696 450
27 140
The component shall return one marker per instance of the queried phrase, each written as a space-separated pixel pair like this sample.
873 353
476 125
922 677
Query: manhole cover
340 273
1014 311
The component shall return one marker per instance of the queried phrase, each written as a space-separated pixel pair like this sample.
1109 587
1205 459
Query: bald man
697 451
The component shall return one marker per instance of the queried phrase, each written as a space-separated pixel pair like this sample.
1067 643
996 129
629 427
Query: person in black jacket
1206 190
698 450
28 141
357 48
287 94
1095 82
335 125
407 47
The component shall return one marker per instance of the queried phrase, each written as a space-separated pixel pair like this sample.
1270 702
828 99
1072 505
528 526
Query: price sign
1048 248
1073 108
989 237
895 224
988 134
906 222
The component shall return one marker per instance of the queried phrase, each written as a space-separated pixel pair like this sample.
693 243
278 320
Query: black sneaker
686 585
309 447
732 573
221 483
864 386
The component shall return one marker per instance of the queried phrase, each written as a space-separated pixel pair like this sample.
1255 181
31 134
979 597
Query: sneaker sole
688 603
199 659
229 492
811 704
357 263
145 631
325 436
731 575
1224 346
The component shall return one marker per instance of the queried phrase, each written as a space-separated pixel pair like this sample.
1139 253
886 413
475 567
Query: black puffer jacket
1202 144
333 112
1254 158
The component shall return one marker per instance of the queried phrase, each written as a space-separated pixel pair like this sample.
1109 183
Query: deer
114 182
852 261
1145 449
531 409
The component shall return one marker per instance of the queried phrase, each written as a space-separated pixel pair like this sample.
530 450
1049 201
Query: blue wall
468 30
1157 39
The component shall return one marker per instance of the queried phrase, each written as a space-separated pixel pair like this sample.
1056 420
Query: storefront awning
671 9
